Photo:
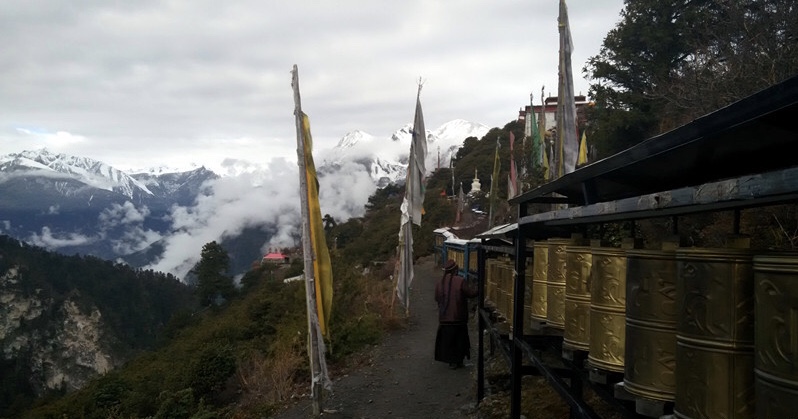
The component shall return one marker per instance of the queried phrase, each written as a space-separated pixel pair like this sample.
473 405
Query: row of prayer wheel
499 289
457 255
678 323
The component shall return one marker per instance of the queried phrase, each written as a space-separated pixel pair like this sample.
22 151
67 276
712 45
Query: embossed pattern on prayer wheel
578 260
776 335
555 283
540 255
608 309
714 334
774 398
651 324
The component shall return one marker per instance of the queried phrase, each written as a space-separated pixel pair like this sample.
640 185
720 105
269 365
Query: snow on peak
460 129
162 170
404 134
354 138
387 158
449 134
83 169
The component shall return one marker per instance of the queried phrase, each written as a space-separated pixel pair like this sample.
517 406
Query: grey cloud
186 83
267 195
171 74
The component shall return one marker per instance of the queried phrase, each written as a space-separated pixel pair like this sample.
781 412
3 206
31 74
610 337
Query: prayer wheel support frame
735 158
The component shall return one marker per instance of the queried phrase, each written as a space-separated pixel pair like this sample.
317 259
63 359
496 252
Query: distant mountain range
74 204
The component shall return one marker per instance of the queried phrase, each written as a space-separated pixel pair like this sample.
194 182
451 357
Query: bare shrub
270 380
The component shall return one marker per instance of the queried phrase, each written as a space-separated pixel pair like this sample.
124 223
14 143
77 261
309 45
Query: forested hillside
64 319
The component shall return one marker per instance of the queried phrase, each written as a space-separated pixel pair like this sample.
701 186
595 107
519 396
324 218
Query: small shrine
475 185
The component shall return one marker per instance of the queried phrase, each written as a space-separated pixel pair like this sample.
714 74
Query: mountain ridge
74 204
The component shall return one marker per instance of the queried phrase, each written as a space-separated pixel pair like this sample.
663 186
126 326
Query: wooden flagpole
307 250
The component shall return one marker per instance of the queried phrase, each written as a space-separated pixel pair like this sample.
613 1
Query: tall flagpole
307 250
494 188
451 168
412 204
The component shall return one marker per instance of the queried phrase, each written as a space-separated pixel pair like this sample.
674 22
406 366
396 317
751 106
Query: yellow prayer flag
322 267
582 150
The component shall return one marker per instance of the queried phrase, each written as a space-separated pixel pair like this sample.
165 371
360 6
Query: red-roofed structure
277 258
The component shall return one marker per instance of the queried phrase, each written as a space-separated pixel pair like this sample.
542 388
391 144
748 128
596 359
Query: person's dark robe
452 344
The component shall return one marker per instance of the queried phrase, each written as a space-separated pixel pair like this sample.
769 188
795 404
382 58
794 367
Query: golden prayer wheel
776 335
540 256
473 260
495 293
457 255
490 282
499 287
506 276
608 309
555 283
774 398
714 334
577 297
650 356
528 275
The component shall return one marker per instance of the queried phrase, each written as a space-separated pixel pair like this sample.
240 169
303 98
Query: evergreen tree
636 57
668 62
212 279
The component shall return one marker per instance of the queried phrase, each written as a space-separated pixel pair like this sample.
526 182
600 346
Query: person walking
452 291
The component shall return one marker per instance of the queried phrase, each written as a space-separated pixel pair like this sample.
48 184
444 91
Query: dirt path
403 380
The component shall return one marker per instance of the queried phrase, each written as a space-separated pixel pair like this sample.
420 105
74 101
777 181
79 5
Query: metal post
518 323
481 323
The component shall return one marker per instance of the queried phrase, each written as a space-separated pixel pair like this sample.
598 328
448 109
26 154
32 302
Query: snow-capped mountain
386 158
79 205
354 138
73 176
88 172
161 220
162 170
179 188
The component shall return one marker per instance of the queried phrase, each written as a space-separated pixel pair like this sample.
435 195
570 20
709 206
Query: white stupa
475 185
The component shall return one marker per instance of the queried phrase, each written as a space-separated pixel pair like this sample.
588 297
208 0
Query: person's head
450 266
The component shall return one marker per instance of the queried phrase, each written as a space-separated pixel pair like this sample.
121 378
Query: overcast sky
141 83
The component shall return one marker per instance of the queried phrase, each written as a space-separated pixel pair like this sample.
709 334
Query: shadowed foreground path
403 380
